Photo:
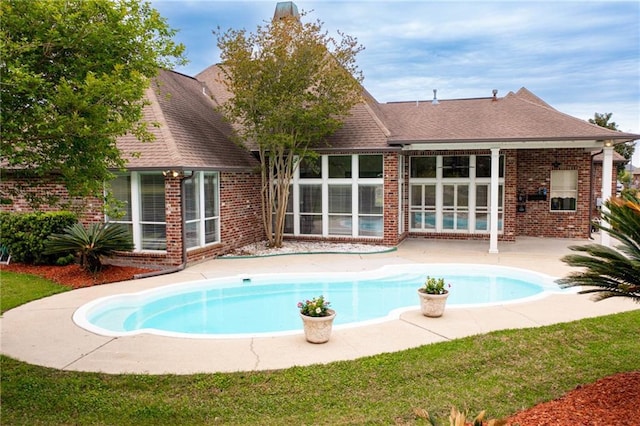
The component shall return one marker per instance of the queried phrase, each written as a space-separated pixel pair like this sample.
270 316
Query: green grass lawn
501 372
17 289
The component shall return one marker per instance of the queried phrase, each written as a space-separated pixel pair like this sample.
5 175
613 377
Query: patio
43 333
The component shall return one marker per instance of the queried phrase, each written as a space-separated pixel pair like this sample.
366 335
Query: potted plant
317 319
433 297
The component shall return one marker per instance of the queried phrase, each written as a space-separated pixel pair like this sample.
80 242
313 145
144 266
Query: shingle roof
191 134
518 116
363 129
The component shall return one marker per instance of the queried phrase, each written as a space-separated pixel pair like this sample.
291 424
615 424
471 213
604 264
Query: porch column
493 215
607 170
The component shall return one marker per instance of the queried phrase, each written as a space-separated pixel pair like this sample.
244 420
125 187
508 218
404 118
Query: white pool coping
130 302
43 332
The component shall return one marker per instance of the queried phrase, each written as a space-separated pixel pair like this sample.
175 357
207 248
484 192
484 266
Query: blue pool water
248 305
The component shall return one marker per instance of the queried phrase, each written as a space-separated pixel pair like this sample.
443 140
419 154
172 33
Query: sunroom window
142 196
202 209
143 208
451 193
338 195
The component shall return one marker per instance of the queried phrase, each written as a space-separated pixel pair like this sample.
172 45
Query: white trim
493 210
607 182
453 145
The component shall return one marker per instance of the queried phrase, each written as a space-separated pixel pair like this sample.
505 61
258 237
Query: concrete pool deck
42 332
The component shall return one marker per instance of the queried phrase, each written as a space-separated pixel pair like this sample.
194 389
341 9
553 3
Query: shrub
607 272
91 244
24 234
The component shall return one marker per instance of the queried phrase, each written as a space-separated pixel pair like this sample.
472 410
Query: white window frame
201 219
136 221
439 182
325 182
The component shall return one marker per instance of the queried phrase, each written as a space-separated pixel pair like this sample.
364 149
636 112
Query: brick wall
240 216
390 189
534 172
16 195
240 221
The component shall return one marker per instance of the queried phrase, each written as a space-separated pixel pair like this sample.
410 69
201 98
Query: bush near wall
24 234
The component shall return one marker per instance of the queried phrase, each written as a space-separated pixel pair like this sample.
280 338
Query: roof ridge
379 121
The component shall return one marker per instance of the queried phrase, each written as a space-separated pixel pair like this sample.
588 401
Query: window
121 188
483 199
369 166
310 168
202 210
152 212
337 195
311 209
422 204
340 218
455 167
564 190
370 202
339 166
455 207
451 193
423 167
143 211
483 166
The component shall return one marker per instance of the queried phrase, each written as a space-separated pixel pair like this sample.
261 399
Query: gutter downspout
183 237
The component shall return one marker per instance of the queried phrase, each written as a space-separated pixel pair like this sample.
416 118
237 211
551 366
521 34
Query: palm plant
610 272
90 244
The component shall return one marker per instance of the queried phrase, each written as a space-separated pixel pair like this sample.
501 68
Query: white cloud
581 57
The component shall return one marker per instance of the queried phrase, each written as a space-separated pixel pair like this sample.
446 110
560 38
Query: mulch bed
76 277
613 400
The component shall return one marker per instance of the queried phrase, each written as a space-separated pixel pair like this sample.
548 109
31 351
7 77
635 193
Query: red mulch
76 277
613 400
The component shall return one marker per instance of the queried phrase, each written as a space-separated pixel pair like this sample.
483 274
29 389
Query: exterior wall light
171 173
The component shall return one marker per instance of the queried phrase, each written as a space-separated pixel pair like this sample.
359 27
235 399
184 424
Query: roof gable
191 134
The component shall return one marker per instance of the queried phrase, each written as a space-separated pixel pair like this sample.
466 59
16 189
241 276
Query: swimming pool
265 304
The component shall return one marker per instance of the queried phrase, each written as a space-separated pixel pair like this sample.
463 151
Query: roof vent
435 97
495 94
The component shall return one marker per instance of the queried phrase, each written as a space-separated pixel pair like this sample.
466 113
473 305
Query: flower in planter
316 307
435 286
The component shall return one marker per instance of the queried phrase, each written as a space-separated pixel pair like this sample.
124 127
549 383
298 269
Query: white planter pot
318 329
432 305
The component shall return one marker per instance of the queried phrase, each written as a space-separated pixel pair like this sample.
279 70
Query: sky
581 57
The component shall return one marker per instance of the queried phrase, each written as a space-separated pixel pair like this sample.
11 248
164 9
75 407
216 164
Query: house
493 168
635 178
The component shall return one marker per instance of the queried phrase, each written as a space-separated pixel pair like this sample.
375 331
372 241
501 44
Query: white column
493 209
607 182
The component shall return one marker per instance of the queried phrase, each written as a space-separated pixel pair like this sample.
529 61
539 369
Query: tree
607 271
291 86
625 149
74 73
